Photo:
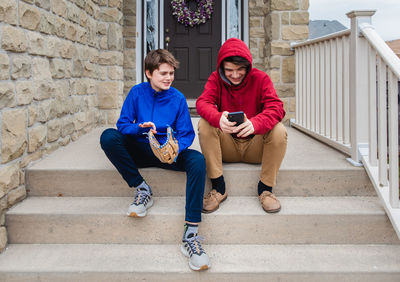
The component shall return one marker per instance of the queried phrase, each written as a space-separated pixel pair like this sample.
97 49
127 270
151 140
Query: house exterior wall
61 71
286 21
129 44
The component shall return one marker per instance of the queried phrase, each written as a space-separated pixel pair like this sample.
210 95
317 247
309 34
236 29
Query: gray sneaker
142 202
191 248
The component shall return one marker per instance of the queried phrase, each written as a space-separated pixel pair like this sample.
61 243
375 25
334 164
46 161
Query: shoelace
194 245
142 197
265 195
210 194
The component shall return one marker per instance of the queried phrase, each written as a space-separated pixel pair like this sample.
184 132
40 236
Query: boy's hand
245 129
148 124
226 125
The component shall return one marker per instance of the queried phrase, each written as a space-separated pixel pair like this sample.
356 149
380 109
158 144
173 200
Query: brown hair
157 57
239 61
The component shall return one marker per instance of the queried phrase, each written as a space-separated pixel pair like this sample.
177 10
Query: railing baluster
372 107
322 87
304 88
317 89
382 128
298 81
393 140
308 82
346 90
312 88
299 101
327 89
339 89
332 43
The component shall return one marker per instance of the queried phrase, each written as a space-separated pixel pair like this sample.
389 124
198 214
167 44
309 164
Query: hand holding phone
237 117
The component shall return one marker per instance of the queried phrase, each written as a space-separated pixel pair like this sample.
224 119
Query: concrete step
310 168
100 262
240 220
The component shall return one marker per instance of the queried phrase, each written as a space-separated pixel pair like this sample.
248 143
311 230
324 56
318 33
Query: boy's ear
148 74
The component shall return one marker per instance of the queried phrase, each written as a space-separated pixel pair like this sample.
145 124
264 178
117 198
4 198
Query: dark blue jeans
127 155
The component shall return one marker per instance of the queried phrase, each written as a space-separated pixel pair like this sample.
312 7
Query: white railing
347 96
322 89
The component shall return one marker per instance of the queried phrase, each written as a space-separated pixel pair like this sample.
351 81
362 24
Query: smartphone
237 117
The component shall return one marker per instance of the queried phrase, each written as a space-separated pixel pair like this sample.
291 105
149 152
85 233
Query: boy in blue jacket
154 106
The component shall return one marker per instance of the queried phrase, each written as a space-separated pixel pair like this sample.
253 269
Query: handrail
322 38
387 54
347 97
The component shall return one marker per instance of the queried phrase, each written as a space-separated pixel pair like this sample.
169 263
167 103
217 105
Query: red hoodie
255 95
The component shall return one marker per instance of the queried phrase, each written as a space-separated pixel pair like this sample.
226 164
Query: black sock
219 184
262 187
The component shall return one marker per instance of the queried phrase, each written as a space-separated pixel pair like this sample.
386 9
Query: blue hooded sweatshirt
165 108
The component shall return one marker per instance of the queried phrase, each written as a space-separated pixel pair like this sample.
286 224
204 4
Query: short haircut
239 61
157 57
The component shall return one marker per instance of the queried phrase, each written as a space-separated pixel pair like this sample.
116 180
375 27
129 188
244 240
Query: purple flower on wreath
191 18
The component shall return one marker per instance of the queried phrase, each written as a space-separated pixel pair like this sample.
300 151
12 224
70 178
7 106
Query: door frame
141 35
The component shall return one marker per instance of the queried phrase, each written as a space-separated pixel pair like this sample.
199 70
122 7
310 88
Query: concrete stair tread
236 206
303 153
234 259
239 220
309 168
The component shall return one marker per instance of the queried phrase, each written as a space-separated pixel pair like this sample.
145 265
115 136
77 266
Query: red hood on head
233 47
255 95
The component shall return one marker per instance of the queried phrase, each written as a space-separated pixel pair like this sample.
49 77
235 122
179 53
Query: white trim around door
141 7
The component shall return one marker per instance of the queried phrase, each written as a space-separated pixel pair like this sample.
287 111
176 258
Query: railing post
358 85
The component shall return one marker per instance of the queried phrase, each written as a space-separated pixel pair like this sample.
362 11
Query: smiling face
161 78
234 73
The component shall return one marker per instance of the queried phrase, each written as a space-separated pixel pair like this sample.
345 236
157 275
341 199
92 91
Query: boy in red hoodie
261 138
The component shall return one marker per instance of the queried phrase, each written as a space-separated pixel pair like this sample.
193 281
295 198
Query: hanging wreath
191 18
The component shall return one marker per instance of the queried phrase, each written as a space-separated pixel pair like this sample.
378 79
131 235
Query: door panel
196 48
182 55
205 63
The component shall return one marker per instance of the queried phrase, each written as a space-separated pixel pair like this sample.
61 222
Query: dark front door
196 48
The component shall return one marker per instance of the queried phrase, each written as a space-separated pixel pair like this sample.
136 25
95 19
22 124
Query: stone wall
274 24
61 74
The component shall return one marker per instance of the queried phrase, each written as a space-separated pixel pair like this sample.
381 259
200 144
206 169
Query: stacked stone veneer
274 24
129 44
61 74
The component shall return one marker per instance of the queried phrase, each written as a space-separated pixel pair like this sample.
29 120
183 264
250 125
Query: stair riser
217 229
194 276
109 183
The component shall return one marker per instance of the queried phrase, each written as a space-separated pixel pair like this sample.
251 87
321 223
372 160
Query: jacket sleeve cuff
215 120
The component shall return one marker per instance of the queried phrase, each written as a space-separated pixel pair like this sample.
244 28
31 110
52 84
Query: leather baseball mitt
166 152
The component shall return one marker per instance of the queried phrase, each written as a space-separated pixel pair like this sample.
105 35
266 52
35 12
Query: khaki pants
268 149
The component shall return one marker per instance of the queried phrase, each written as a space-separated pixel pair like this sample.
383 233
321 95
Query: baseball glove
166 152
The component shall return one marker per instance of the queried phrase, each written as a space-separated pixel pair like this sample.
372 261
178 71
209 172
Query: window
233 16
151 26
235 19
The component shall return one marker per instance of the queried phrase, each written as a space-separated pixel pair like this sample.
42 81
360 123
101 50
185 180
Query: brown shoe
269 202
212 200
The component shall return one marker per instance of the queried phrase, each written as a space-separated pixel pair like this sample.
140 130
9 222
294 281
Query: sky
386 19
